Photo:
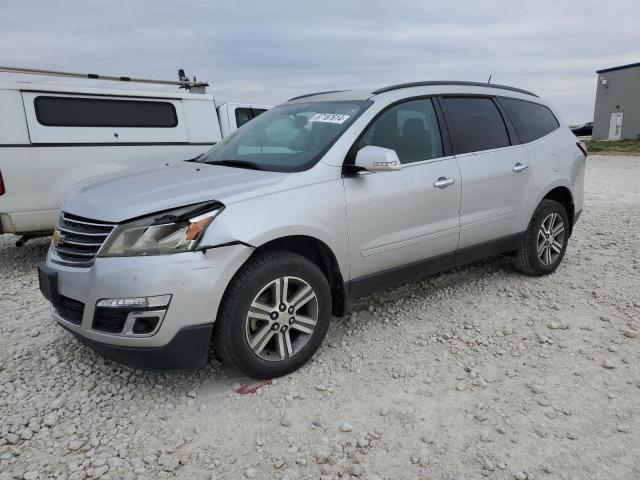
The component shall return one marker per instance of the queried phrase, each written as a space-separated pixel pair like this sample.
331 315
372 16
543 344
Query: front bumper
187 350
196 282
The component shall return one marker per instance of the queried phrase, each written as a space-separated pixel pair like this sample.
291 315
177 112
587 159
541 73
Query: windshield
288 138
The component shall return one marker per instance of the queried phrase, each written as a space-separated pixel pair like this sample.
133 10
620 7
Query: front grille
77 240
110 320
71 310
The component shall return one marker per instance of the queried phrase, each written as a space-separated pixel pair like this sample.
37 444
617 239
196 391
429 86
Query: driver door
399 222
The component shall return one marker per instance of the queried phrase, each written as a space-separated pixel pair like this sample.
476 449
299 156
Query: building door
615 126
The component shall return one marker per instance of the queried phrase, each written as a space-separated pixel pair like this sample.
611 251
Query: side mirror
377 159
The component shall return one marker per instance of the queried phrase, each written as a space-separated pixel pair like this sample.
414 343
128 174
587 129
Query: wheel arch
564 197
319 253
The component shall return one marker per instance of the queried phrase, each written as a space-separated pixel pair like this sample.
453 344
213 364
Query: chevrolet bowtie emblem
57 238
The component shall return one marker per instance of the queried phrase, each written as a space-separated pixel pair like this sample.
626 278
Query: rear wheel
545 240
274 316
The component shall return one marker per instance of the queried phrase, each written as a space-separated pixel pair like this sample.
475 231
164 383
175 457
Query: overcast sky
268 51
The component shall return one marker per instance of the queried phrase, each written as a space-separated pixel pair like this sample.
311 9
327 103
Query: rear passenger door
493 167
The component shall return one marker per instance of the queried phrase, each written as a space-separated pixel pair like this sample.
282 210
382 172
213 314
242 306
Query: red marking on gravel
246 389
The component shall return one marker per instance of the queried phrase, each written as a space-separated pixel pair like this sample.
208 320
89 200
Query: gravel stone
345 427
168 462
285 420
76 444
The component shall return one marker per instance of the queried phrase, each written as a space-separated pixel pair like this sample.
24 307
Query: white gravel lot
478 372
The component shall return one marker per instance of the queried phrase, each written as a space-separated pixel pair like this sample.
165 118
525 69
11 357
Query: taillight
1 185
583 147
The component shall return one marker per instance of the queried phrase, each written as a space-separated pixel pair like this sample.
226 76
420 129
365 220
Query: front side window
98 112
409 128
477 123
531 120
288 138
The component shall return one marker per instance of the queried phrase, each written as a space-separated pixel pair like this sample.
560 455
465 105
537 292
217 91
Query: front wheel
274 316
545 240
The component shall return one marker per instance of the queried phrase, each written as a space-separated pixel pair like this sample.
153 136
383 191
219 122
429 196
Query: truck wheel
274 315
545 240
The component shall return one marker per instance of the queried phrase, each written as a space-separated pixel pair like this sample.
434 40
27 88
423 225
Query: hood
136 193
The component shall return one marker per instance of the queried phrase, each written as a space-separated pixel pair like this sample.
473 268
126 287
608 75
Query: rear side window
477 123
531 120
409 128
243 115
96 112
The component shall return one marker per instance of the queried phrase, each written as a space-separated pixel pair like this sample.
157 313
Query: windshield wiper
237 164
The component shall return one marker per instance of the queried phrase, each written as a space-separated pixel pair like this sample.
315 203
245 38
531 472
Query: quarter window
531 120
477 123
409 128
96 112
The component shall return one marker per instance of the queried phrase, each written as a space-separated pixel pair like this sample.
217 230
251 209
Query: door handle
519 167
443 182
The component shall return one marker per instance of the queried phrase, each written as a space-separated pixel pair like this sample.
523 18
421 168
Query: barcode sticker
329 118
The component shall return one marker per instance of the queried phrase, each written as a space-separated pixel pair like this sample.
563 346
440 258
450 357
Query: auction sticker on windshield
329 118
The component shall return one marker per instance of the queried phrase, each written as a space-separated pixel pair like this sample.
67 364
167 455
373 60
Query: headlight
174 231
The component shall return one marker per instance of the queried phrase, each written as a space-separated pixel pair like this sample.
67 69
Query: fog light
135 316
145 325
135 302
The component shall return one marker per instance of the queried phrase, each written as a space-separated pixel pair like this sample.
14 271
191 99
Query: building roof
621 67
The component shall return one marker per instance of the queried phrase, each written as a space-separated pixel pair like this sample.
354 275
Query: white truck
55 139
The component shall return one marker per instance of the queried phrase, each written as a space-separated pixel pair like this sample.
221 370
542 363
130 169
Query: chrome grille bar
79 240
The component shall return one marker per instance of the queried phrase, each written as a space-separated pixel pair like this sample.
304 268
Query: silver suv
257 243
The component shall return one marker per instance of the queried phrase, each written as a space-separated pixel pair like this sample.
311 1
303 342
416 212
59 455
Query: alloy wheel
551 238
281 318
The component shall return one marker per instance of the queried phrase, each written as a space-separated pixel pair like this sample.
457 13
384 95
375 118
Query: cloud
269 51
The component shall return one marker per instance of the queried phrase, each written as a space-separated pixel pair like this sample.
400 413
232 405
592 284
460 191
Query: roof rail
186 83
315 93
445 82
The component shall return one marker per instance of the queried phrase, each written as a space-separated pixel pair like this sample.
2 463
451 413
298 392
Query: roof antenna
489 81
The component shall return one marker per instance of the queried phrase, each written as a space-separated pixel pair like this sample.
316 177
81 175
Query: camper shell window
97 112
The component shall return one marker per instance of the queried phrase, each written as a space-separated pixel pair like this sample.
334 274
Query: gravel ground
478 372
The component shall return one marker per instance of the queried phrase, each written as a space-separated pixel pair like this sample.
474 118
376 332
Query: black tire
527 259
230 337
